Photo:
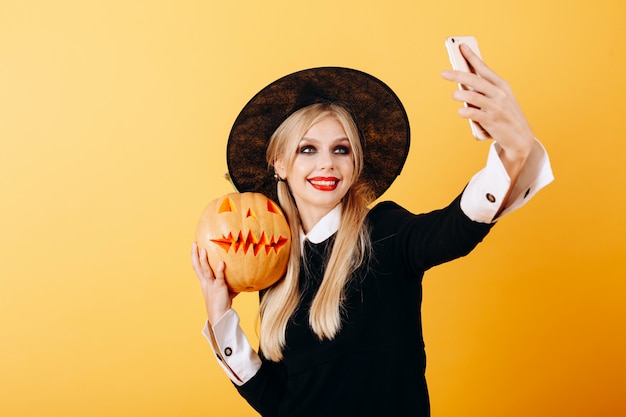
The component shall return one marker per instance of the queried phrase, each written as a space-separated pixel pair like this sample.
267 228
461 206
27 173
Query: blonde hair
281 300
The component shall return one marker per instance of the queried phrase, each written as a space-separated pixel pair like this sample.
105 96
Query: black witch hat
379 115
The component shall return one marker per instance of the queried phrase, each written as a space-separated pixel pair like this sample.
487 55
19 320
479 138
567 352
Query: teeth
324 183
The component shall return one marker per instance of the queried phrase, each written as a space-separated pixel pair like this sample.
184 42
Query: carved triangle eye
272 208
226 206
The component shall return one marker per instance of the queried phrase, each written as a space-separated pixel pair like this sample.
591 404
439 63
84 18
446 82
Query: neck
309 218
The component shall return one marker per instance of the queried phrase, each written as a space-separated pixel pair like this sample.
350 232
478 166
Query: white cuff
231 346
483 195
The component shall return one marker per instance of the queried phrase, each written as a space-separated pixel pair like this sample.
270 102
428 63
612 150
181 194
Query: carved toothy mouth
239 242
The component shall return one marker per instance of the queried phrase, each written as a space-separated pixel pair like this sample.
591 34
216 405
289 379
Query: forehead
328 128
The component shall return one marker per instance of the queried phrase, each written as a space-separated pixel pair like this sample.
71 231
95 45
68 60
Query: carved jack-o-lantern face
249 232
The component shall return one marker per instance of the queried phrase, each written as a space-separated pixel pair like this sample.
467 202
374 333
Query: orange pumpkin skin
249 232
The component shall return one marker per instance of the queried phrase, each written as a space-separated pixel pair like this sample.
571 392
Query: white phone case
459 63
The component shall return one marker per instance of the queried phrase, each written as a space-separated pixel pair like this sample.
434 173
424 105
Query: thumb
219 272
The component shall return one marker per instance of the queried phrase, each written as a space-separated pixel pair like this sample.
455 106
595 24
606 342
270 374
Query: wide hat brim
378 112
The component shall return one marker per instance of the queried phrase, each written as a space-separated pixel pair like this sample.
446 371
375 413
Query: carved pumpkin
249 232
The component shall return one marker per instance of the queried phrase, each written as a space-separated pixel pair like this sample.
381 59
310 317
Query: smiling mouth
324 184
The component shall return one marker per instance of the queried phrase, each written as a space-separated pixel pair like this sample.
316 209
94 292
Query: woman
341 333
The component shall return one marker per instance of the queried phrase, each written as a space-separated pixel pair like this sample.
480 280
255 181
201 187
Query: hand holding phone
459 63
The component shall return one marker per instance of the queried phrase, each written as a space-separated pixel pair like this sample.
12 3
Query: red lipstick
324 183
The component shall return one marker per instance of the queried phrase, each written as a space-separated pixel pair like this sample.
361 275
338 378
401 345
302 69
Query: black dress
375 366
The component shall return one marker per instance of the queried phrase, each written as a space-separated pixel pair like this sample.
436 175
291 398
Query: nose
326 160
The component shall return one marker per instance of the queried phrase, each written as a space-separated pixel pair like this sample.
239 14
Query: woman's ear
279 167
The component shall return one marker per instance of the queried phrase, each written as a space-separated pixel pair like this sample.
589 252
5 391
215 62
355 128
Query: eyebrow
338 140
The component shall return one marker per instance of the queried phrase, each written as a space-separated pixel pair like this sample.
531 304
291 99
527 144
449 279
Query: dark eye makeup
307 149
339 149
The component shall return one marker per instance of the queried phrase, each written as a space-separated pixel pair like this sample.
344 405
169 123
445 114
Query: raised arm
493 105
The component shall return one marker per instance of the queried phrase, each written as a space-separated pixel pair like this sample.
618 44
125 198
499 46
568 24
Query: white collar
324 228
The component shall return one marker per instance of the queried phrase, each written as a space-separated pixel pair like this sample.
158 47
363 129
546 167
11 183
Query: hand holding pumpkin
217 297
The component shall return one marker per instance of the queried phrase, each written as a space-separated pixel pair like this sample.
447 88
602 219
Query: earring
278 178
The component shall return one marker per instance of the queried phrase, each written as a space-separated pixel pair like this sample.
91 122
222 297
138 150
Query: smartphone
459 63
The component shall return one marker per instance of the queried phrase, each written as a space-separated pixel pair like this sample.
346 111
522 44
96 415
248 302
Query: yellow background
113 124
